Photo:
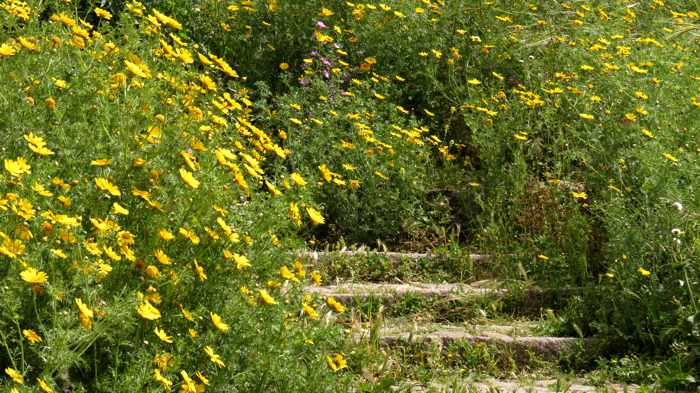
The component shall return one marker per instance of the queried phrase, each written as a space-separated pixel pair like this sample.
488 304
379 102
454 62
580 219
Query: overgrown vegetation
162 159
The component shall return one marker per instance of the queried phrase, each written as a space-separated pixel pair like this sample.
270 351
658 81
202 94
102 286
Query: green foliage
560 138
141 243
573 123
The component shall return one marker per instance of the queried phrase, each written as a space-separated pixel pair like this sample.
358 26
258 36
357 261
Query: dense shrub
561 138
141 242
574 124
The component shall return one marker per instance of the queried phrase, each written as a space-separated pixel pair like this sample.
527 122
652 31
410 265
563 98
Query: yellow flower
105 225
18 167
216 359
271 187
58 253
641 95
101 162
299 267
190 235
152 271
520 135
37 144
201 377
644 272
34 276
325 172
284 66
266 298
103 268
287 274
44 386
335 305
294 213
241 261
41 190
315 215
219 323
543 257
316 277
105 185
86 314
504 19
165 382
207 82
579 195
310 311
336 362
104 14
162 257
188 385
586 116
380 175
162 336
14 375
32 336
670 157
188 178
147 311
60 83
186 314
166 235
168 21
297 179
138 70
119 209
7 50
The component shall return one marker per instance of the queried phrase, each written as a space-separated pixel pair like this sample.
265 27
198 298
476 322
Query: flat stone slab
549 348
358 292
353 292
393 256
535 386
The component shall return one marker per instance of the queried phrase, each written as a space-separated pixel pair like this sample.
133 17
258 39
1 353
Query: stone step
493 385
358 292
378 266
317 256
528 301
518 339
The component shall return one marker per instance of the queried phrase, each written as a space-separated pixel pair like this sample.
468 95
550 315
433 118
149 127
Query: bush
573 123
142 244
559 137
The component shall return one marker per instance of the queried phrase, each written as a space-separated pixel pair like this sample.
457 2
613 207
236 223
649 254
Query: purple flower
326 74
326 62
320 25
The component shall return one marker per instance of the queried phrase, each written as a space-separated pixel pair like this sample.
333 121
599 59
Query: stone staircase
398 320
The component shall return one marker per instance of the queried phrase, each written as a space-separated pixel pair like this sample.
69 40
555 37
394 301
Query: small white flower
677 241
678 206
676 231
